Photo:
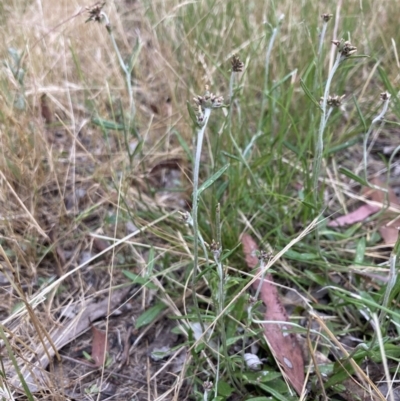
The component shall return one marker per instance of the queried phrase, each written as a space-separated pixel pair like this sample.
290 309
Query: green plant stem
378 119
217 259
195 205
266 75
220 295
319 64
124 68
322 37
235 145
391 280
319 145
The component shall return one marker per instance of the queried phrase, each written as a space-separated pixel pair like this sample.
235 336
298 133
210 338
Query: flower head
334 101
209 100
345 47
385 96
237 64
95 13
208 385
326 17
264 256
216 249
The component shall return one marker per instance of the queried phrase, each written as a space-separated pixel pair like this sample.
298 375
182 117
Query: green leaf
309 94
291 147
139 280
291 254
357 56
134 56
11 355
150 315
87 356
192 113
224 388
262 376
273 392
360 114
360 251
231 156
354 177
150 263
106 124
212 179
184 145
342 146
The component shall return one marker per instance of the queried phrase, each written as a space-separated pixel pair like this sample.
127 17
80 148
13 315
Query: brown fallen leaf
355 216
282 343
388 233
99 347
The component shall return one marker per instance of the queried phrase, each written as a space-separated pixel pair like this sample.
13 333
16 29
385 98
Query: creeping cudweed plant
345 50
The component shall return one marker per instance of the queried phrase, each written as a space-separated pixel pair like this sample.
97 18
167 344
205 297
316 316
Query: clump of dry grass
59 173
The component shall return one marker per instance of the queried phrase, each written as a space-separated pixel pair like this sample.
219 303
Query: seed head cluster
334 101
209 100
237 64
326 17
95 13
345 47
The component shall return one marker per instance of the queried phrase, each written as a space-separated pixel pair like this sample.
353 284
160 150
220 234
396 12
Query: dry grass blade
29 214
34 372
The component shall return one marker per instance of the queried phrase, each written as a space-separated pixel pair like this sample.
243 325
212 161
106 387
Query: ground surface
99 299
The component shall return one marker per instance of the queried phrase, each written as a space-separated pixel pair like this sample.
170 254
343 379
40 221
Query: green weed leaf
213 178
105 124
150 315
354 177
136 279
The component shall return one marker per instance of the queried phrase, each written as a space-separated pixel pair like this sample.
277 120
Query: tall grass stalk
265 93
391 280
216 248
124 68
378 333
379 119
237 66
